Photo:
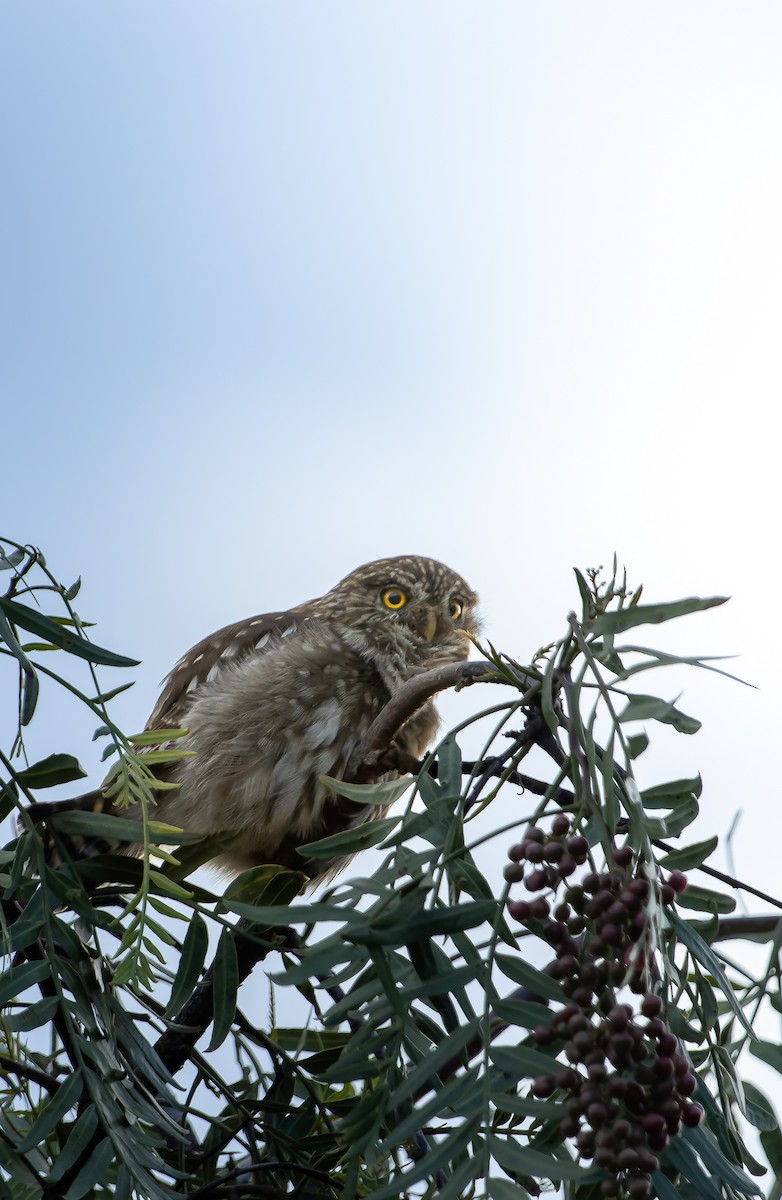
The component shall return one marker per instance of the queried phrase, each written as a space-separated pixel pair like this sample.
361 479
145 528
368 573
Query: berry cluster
628 1087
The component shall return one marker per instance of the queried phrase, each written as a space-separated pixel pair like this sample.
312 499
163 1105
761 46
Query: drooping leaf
191 963
42 626
368 793
226 986
350 841
524 973
653 708
687 857
526 1160
66 1096
706 900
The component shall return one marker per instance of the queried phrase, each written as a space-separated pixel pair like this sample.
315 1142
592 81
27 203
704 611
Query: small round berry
692 1114
678 881
560 825
513 873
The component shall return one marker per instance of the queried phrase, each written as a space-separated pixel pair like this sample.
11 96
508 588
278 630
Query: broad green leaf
705 900
191 962
652 708
653 614
382 794
524 1160
520 971
66 1096
687 857
57 768
350 840
226 985
449 766
36 623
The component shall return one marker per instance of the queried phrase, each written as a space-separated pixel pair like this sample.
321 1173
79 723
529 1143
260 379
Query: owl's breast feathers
264 725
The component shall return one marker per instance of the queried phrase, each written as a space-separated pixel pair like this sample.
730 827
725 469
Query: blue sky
287 287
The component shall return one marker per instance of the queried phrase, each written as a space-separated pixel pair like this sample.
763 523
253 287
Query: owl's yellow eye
455 609
394 598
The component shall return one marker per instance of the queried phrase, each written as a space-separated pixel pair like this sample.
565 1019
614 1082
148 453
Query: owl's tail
64 833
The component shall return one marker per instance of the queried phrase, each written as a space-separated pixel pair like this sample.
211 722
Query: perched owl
275 701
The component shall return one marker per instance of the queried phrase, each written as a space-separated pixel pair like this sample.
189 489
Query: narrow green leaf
226 986
503 1189
18 979
525 1106
768 1052
440 1156
78 1138
36 623
708 959
524 1160
427 923
450 1047
525 1013
653 614
30 685
266 885
57 768
759 1110
705 900
707 1147
190 964
636 744
62 1101
675 791
350 840
524 973
383 794
9 562
687 857
652 708
33 1016
93 1171
523 1062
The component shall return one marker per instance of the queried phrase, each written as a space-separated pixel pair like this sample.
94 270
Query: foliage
432 1057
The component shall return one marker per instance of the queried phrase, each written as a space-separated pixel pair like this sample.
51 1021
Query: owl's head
414 607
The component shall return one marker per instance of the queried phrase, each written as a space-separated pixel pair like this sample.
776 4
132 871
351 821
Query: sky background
287 287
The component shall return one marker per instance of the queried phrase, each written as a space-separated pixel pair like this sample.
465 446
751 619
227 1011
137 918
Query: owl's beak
429 627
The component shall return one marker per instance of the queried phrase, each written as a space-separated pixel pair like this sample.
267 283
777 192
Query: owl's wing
204 662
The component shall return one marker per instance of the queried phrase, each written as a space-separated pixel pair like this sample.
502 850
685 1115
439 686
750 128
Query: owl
274 702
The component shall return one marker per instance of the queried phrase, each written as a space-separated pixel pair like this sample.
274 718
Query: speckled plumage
275 701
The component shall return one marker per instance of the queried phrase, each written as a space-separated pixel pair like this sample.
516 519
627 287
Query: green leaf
33 1016
18 979
708 959
522 1062
707 1147
503 1189
652 708
226 986
62 1101
758 1108
30 685
524 1160
437 922
675 791
383 794
687 857
191 964
57 768
58 635
705 900
653 614
268 884
526 1106
93 1171
768 1052
525 1013
417 1079
439 1157
636 744
350 840
78 1138
515 967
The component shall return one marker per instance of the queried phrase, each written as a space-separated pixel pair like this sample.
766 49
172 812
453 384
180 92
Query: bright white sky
286 287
